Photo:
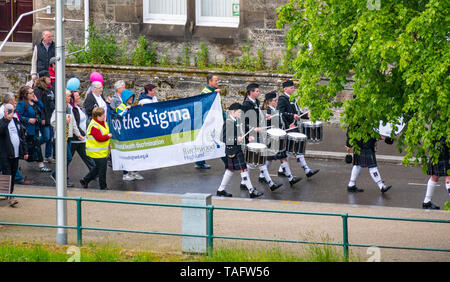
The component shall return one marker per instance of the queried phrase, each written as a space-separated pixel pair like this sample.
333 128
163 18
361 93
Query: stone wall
171 83
124 19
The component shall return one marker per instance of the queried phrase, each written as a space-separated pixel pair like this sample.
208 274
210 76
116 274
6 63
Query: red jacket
97 134
51 71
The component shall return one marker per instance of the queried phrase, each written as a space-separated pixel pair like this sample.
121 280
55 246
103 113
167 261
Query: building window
220 13
164 11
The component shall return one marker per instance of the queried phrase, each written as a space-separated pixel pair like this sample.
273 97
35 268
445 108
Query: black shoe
203 166
84 184
263 180
69 184
430 206
385 188
294 180
104 188
281 174
312 172
243 187
255 193
223 194
275 186
354 189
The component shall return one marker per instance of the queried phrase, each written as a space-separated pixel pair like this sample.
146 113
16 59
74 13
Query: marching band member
435 171
291 115
252 105
366 158
270 105
233 137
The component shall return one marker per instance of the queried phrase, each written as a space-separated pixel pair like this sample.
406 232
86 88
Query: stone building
222 25
171 25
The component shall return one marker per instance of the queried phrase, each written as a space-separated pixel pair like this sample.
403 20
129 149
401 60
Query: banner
167 133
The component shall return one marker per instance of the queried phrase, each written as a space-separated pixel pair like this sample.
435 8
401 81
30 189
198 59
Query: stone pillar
195 221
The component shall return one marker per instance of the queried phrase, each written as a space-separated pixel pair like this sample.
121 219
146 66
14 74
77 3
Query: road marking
421 184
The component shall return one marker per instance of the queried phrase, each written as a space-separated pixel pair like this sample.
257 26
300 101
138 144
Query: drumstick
251 129
305 113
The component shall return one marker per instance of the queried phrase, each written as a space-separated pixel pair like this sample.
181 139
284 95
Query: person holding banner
149 95
117 102
97 147
233 137
127 101
212 86
270 105
291 115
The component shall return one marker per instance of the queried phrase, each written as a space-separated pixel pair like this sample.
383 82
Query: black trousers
9 167
80 148
99 170
34 149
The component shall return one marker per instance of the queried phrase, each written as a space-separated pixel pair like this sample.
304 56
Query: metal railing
345 244
48 9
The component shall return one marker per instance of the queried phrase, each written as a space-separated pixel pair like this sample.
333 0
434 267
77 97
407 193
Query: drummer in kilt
256 119
270 106
291 115
233 137
436 170
366 158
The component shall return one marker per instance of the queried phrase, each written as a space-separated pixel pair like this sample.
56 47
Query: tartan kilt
439 169
278 156
237 162
365 158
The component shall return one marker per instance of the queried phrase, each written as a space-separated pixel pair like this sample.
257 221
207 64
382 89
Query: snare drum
256 154
313 131
296 143
276 140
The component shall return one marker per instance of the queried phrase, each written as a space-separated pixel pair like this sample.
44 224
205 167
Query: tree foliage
396 51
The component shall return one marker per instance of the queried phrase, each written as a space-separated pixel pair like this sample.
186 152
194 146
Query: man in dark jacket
42 53
291 114
12 142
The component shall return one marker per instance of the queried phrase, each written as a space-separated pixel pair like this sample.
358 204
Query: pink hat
95 76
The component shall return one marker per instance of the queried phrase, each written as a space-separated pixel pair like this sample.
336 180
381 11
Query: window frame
207 21
148 18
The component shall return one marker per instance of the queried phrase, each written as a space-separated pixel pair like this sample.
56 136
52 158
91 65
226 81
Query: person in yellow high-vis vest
97 147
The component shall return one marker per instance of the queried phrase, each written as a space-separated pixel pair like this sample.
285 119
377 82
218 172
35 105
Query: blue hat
126 94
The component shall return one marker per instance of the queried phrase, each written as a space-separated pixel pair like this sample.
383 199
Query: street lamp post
60 142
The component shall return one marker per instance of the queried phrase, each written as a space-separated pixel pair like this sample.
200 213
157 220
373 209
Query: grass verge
37 252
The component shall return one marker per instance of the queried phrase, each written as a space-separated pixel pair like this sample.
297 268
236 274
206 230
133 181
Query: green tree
396 51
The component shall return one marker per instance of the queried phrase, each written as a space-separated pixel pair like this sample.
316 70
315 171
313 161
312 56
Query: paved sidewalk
227 223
